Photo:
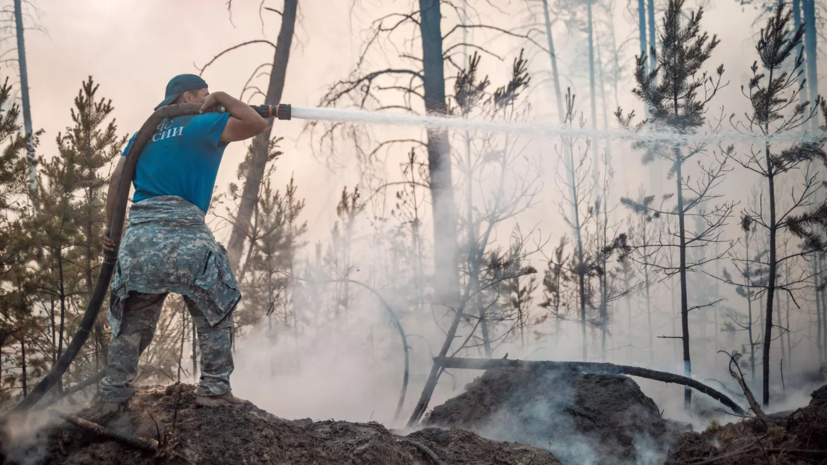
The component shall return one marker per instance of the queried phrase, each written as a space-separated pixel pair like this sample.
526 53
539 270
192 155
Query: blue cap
179 84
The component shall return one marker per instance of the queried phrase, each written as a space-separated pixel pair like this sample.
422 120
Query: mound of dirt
249 435
796 437
582 419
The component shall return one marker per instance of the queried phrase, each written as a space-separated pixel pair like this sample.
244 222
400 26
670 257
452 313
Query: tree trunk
797 21
780 324
789 342
24 90
687 364
773 267
818 310
823 307
592 93
446 282
810 48
749 310
770 289
652 42
100 344
647 288
259 150
436 370
54 330
555 76
23 366
580 268
62 298
641 26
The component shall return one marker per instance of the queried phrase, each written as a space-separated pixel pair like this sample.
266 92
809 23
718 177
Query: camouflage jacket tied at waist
168 248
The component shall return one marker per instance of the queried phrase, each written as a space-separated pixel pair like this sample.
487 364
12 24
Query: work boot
224 400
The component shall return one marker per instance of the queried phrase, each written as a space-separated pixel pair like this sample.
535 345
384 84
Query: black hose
116 231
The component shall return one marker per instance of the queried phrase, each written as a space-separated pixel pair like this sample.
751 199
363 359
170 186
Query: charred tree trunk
641 26
797 19
592 93
810 47
687 364
439 157
810 41
100 344
23 366
580 266
259 150
24 90
555 76
773 272
749 309
653 64
818 310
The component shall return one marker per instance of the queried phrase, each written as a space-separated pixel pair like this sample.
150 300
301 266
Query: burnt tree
260 149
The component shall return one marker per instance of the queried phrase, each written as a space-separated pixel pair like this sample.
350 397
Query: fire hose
282 112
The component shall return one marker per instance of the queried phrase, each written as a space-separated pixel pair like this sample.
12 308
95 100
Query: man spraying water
168 247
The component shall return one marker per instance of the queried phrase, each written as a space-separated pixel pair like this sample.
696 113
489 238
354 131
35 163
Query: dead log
149 445
588 368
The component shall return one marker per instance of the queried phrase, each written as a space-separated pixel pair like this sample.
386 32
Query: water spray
545 131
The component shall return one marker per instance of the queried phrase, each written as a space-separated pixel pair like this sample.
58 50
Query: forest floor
607 419
246 434
790 438
595 419
580 419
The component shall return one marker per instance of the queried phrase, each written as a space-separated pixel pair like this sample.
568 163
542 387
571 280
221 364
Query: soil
246 434
582 419
796 437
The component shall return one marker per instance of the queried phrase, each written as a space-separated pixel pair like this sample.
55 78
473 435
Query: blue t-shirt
182 159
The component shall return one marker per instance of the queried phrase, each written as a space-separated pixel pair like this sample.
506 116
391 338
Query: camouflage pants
140 317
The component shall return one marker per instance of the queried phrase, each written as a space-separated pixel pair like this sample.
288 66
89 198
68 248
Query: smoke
27 437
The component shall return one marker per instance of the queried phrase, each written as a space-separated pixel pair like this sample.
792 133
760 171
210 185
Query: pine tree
776 109
92 145
671 91
17 324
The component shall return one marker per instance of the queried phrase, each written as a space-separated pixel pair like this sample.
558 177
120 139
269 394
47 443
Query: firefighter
167 246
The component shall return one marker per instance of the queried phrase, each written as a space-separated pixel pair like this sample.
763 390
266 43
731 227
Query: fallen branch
149 445
739 377
590 368
424 449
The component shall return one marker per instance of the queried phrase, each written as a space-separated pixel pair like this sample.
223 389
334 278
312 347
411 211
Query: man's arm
111 197
244 122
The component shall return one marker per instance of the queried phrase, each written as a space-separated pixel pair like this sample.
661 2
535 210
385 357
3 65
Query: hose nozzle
282 111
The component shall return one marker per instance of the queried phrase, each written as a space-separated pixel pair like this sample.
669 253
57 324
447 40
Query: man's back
182 159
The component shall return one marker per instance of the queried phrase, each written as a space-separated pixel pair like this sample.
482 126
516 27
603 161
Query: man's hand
244 122
108 244
212 100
